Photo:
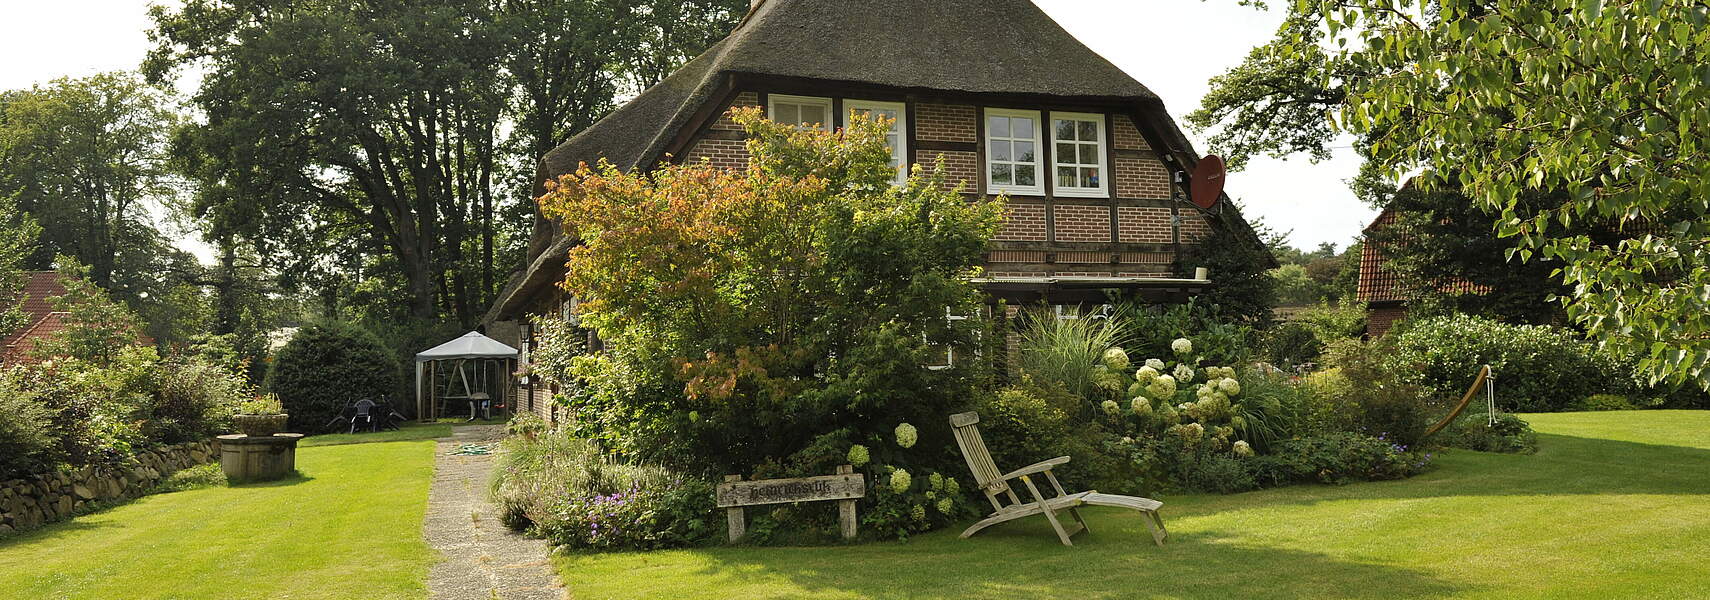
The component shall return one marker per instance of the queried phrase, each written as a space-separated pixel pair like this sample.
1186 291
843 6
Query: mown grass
404 432
350 526
1614 505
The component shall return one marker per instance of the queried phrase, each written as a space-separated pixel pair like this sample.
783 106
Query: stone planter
248 458
260 425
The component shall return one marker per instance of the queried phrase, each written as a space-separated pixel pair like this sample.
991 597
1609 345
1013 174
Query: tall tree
1601 104
86 157
372 136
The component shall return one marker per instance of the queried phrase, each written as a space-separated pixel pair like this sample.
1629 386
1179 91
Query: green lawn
407 431
1615 505
349 527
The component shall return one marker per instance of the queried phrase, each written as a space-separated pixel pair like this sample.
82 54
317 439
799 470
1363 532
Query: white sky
1172 46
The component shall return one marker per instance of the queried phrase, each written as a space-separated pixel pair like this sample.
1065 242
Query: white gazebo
480 369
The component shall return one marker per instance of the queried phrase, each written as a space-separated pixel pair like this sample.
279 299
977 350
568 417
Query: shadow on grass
51 531
1027 562
293 479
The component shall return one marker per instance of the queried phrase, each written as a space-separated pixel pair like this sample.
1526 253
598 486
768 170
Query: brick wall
1082 223
722 154
1141 178
1026 223
1127 136
1194 226
1143 225
960 168
945 123
1379 320
744 99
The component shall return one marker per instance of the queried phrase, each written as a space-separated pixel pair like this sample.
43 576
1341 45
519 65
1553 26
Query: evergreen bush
327 366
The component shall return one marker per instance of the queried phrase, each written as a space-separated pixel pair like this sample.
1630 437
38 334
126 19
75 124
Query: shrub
194 399
327 366
1382 399
1509 434
1339 458
98 408
1292 344
28 442
1539 368
1605 402
1331 323
561 488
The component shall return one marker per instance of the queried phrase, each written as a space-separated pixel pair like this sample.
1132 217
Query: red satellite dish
1208 179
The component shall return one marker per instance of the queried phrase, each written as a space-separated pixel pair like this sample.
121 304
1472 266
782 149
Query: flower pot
260 425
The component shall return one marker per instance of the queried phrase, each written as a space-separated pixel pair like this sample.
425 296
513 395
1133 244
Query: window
802 111
897 141
944 355
1079 159
1012 152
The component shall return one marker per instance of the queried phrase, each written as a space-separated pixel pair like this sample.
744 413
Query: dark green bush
28 442
1385 403
1604 402
1338 458
1292 344
1509 434
1539 368
325 367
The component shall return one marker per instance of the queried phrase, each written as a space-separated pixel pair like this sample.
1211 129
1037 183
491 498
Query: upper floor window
1012 151
1079 156
806 112
896 114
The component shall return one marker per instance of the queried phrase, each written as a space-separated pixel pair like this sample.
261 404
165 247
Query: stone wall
32 501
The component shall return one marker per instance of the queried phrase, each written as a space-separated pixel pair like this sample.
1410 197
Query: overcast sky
1172 46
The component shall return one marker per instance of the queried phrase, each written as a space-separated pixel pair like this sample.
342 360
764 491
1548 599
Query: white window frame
949 350
1058 189
1039 170
773 100
900 151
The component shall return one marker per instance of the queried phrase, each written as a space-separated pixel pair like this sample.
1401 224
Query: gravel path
480 558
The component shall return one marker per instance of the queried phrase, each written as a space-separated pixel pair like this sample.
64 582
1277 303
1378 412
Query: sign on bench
845 487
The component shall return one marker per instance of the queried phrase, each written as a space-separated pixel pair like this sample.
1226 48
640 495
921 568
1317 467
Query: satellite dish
1208 178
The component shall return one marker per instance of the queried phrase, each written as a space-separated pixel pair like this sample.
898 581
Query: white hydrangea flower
858 455
1110 407
1141 406
900 481
1155 364
951 487
945 505
935 481
1182 346
1243 449
1163 387
1184 373
906 435
1229 387
1116 359
1146 374
918 512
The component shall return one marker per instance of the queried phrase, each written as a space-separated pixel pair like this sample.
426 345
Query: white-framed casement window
897 114
806 112
1012 152
1078 158
944 355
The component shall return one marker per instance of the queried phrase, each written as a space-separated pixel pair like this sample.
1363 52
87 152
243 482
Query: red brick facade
1147 219
945 122
1379 319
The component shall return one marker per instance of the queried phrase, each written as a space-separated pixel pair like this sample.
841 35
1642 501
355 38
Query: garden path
481 559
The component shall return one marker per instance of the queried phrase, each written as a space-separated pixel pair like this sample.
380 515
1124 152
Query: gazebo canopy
471 345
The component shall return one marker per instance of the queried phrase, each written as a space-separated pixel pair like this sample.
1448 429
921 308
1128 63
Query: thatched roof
967 46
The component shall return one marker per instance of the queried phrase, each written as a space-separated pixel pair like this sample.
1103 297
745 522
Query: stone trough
251 458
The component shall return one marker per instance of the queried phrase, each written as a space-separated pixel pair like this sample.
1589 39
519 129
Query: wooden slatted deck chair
995 485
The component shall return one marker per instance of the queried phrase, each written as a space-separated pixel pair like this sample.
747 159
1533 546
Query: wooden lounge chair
995 484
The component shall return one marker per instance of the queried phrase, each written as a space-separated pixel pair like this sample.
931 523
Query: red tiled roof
1378 283
40 287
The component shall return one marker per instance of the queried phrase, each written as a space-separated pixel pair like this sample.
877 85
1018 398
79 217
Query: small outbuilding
473 368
